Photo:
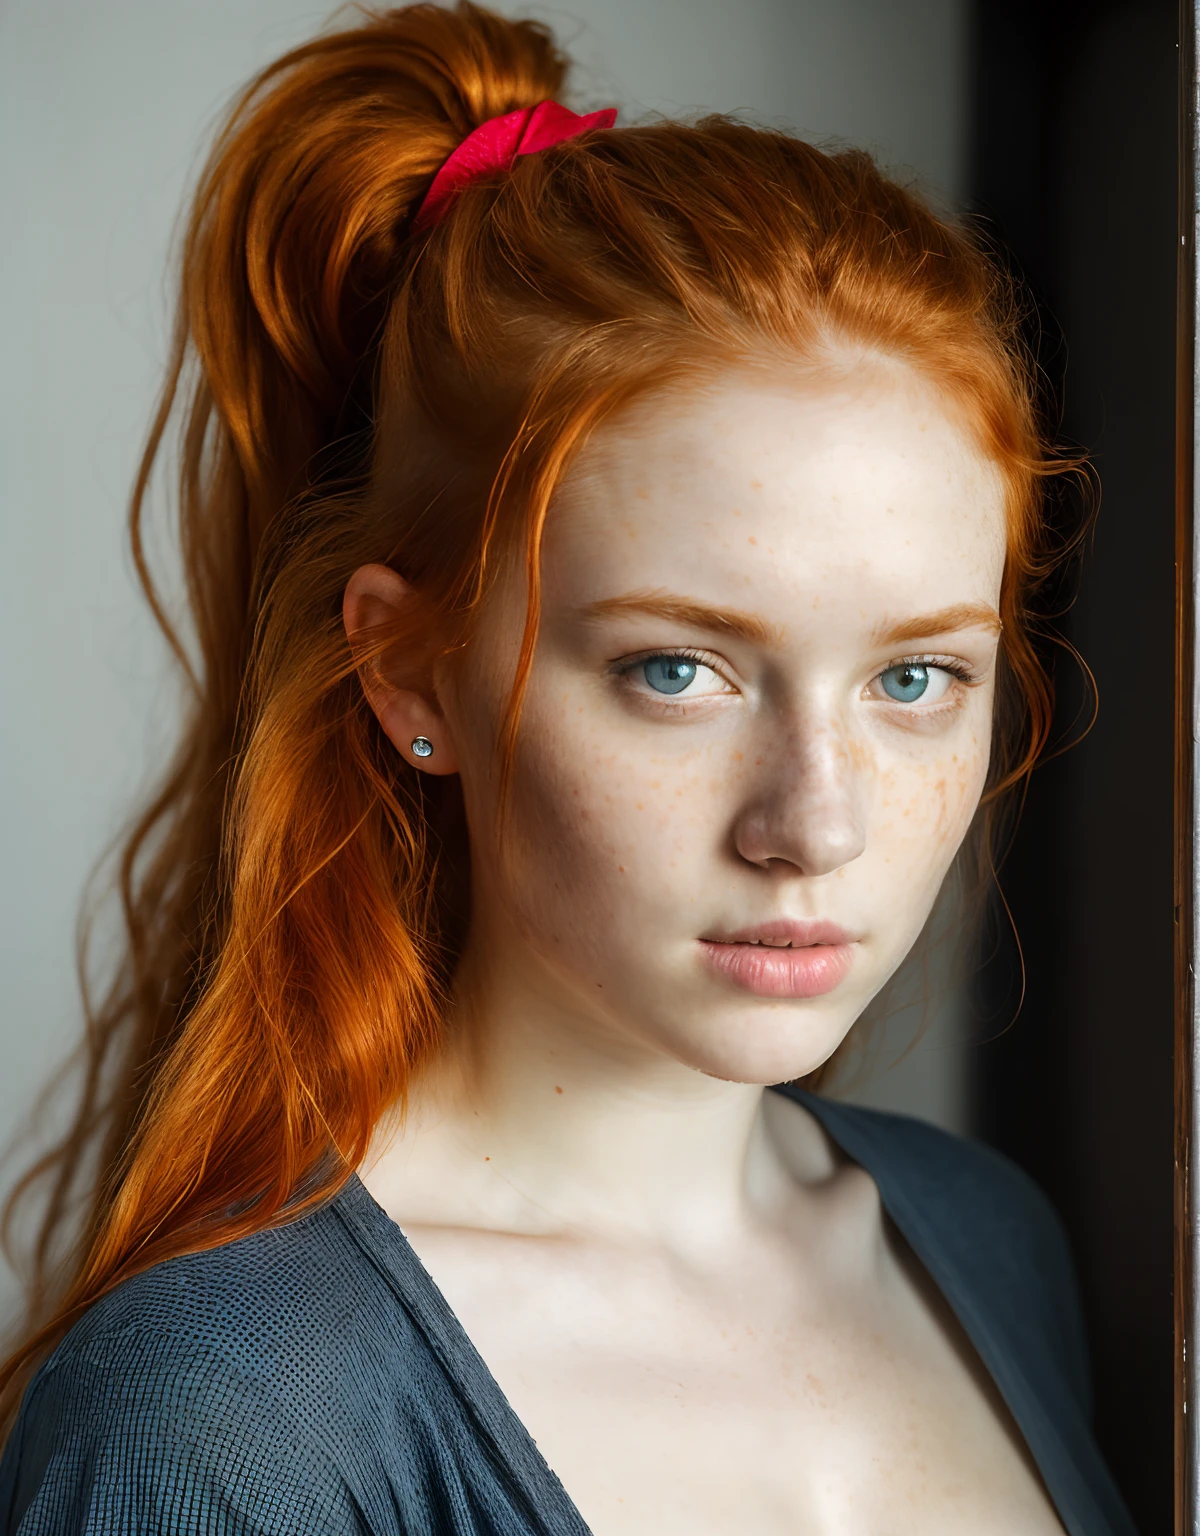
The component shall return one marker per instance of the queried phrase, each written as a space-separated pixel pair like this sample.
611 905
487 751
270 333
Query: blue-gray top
312 1379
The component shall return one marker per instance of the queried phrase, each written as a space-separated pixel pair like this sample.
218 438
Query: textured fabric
312 1381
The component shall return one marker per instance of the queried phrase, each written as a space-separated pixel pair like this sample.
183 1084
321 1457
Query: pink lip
820 956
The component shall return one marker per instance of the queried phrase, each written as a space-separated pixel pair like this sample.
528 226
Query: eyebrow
687 610
944 621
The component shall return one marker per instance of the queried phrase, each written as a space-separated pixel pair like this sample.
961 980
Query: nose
805 808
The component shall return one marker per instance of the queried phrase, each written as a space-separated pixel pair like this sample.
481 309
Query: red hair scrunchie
494 145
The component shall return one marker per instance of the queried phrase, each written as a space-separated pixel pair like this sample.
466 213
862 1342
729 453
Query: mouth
783 958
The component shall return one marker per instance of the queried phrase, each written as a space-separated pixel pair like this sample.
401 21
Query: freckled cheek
598 839
930 803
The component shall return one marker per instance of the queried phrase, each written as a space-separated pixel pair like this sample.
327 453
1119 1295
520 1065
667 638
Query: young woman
610 552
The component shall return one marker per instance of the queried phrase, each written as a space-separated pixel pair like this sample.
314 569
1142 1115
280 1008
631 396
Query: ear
375 596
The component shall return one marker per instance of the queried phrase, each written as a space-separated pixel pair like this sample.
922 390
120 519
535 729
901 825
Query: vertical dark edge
1187 880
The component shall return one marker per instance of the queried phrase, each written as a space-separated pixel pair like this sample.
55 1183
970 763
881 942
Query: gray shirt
312 1379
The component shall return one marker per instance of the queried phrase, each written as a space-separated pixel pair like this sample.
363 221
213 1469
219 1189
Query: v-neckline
548 1505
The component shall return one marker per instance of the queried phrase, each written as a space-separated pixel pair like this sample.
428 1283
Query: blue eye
668 674
905 683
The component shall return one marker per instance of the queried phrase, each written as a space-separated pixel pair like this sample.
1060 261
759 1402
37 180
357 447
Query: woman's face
758 716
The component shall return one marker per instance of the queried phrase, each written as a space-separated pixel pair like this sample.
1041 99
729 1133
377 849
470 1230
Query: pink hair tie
494 145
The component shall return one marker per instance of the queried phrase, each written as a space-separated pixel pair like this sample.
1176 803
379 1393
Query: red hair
349 391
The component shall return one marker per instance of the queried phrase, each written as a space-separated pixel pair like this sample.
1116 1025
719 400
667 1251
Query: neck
541 1117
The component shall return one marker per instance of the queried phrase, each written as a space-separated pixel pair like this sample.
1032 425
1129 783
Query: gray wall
103 112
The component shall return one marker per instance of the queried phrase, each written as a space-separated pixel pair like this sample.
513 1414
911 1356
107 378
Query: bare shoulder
983 1227
913 1160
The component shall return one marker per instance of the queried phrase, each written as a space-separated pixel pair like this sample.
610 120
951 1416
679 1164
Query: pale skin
693 1302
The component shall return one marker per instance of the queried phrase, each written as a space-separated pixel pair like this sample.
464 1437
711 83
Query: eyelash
956 667
683 652
953 699
952 664
678 703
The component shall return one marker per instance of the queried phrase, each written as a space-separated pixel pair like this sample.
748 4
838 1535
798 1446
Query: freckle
757 484
751 540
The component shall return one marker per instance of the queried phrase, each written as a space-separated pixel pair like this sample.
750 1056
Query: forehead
770 491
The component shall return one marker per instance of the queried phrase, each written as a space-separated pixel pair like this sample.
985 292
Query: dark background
1074 172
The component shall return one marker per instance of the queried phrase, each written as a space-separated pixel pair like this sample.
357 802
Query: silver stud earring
422 746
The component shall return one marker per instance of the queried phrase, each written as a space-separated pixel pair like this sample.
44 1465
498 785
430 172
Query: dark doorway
1074 172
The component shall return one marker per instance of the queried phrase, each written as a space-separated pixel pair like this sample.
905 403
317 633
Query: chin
763 1050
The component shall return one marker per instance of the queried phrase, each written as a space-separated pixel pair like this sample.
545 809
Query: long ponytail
197 1097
